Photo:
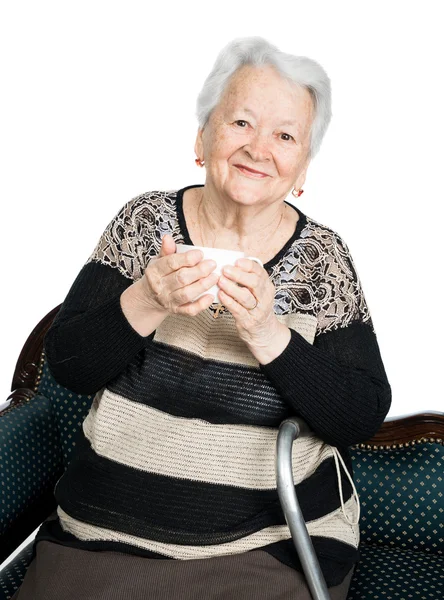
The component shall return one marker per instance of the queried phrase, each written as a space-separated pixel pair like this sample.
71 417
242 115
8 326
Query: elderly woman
171 493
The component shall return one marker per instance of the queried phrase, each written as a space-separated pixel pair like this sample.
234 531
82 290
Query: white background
98 106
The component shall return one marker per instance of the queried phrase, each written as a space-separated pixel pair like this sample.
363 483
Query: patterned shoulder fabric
341 300
134 235
316 276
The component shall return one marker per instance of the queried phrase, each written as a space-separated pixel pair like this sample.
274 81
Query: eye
240 121
290 136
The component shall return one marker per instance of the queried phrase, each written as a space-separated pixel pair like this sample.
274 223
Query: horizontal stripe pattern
218 339
177 453
183 384
331 525
149 439
182 511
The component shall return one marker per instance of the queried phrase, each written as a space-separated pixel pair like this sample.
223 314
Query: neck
226 223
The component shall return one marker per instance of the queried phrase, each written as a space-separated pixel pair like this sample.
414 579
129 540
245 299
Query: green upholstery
13 574
401 494
69 410
37 440
395 574
30 457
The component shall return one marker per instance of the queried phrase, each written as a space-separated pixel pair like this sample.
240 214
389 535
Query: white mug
222 258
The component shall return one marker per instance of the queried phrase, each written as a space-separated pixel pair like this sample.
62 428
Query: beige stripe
335 525
151 440
218 339
332 525
303 324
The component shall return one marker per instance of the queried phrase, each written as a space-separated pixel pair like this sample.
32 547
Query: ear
198 145
301 177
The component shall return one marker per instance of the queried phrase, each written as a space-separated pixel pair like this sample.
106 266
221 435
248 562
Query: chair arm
289 430
30 465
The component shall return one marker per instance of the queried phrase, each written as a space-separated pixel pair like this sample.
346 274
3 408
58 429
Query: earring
199 162
299 192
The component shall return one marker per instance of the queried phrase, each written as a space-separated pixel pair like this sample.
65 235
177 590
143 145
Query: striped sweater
175 459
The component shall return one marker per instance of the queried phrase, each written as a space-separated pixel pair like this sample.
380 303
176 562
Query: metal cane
289 430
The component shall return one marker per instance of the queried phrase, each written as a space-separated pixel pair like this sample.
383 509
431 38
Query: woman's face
262 122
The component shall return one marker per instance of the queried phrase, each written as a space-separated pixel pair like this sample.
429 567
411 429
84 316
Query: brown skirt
63 573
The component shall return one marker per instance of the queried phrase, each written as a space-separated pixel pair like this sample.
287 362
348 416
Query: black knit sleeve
338 384
91 340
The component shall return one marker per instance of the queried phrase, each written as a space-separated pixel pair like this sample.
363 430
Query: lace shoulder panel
317 276
134 235
341 300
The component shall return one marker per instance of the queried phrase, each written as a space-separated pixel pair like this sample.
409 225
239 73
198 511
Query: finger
193 308
249 265
187 294
244 278
236 308
168 245
242 295
172 262
186 276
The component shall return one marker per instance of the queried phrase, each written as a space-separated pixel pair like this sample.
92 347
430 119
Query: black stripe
336 558
185 385
179 511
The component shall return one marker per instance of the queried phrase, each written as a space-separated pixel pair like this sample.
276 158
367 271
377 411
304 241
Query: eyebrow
287 122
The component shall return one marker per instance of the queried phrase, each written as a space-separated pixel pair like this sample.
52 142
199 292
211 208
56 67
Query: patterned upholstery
401 494
395 574
36 440
69 410
30 457
12 575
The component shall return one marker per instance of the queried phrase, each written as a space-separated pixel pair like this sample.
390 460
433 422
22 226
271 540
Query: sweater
175 459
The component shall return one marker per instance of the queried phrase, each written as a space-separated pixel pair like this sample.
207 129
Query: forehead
263 89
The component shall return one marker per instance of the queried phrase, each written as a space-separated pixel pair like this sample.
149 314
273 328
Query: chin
248 191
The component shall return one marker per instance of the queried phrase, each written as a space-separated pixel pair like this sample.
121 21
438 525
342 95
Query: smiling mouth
250 173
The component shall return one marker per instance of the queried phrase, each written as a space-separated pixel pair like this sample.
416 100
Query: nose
258 147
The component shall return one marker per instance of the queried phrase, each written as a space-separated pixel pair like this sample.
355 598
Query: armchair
398 475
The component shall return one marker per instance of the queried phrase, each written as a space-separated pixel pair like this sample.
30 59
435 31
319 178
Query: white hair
257 51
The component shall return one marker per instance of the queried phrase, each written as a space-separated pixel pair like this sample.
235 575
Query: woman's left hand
258 327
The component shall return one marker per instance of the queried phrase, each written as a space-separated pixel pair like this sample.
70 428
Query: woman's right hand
171 281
